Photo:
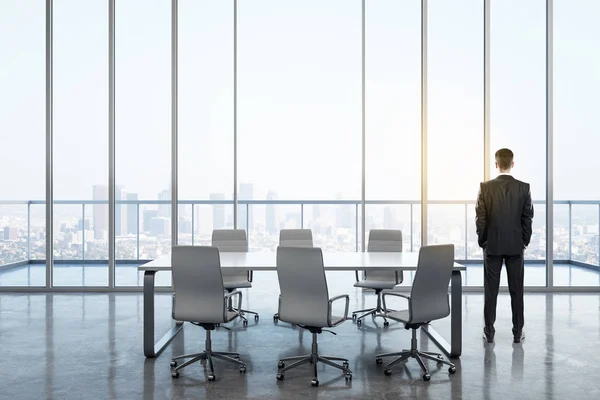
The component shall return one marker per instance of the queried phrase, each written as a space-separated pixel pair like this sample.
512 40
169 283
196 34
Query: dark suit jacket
504 213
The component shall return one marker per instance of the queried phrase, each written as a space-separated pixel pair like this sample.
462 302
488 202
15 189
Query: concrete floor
89 346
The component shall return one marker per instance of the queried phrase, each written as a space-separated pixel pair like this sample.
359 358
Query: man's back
503 216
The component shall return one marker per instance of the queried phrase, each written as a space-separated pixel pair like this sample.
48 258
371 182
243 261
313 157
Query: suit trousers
491 270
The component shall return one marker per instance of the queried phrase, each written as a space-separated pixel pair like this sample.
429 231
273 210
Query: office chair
234 240
305 301
428 301
379 240
294 238
200 299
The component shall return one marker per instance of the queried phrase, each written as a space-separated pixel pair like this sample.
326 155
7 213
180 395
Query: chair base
375 312
314 358
416 354
206 355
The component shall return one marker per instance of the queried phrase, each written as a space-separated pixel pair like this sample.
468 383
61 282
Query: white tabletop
334 261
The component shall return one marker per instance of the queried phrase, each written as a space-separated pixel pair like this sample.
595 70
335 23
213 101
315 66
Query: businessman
503 217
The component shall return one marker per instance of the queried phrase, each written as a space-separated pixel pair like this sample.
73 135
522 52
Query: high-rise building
100 212
343 215
164 210
83 225
120 219
245 220
218 211
271 216
10 233
149 215
132 214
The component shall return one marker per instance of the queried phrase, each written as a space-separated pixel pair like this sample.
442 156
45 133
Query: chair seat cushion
373 284
401 315
235 282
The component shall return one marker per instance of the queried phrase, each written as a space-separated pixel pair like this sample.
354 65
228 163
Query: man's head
504 160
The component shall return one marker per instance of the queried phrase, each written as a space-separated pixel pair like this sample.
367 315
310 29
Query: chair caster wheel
426 377
275 319
175 375
256 318
348 377
358 321
387 372
353 317
378 361
345 364
243 369
279 376
452 370
314 383
211 377
280 364
173 364
237 356
386 324
245 322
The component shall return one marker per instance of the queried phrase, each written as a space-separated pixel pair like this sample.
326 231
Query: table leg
150 349
454 349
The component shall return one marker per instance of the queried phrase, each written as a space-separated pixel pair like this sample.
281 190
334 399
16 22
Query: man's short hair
504 158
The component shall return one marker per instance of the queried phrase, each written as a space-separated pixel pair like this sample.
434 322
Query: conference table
333 261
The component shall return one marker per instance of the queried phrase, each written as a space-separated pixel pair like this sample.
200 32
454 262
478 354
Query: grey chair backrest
388 240
231 240
198 284
304 296
295 238
429 296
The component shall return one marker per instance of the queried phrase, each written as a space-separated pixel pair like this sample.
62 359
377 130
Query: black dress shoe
488 336
519 337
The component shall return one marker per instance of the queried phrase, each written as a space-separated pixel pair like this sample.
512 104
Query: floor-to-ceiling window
576 142
142 133
455 126
205 118
22 143
80 112
393 119
299 118
518 108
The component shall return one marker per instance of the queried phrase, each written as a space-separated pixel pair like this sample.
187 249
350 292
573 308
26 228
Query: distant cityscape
143 231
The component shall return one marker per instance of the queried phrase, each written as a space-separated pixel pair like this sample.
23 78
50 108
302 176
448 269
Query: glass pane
393 115
299 115
80 141
518 101
22 143
455 123
576 142
205 135
143 131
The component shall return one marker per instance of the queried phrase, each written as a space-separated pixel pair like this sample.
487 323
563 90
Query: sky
299 97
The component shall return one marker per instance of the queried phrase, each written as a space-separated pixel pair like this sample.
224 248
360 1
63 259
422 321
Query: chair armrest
392 294
343 296
250 275
231 294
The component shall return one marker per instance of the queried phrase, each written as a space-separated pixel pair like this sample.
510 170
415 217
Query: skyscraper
389 218
271 217
218 211
164 210
120 225
100 212
246 193
132 217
